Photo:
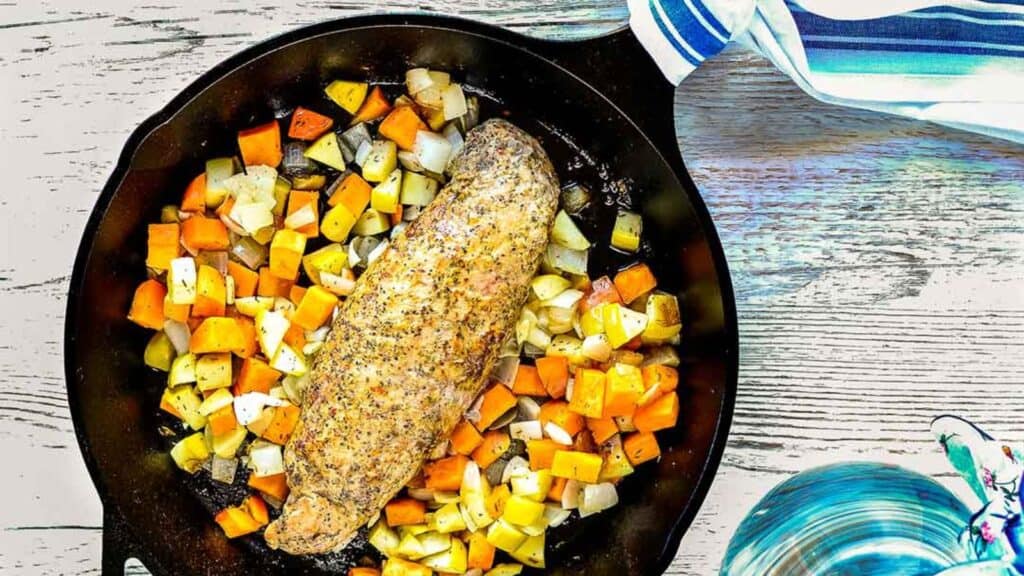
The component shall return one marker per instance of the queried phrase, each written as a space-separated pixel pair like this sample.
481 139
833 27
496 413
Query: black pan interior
158 514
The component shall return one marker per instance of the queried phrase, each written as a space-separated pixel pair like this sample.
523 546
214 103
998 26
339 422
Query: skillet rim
535 47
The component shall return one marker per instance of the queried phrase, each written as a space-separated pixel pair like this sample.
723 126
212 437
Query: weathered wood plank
878 262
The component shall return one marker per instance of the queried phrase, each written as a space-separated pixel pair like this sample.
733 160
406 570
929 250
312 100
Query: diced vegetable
622 324
445 474
526 430
505 570
542 453
227 444
308 125
566 259
398 567
447 519
271 328
315 308
505 536
432 150
553 372
533 485
575 465
351 192
664 321
147 308
401 126
261 145
602 428
348 95
159 352
522 511
417 80
548 286
451 561
381 161
641 447
162 245
527 382
382 537
627 230
273 485
183 370
181 282
375 106
588 393
454 101
218 170
497 400
634 282
597 347
384 197
659 414
327 150
286 251
494 445
465 438
405 511
481 552
597 498
624 385
190 453
562 415
531 552
213 371
194 199
337 224
303 213
289 360
210 293
342 284
417 189
371 222
265 459
564 232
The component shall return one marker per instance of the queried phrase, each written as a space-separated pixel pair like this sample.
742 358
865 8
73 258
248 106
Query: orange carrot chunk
445 474
404 512
588 393
481 552
634 282
194 199
315 309
361 571
281 425
375 106
353 193
542 453
216 334
641 447
245 279
201 233
256 376
147 309
162 245
554 374
602 428
527 382
497 400
176 312
308 125
298 199
401 126
210 292
223 421
248 344
275 485
465 438
559 412
261 145
623 386
658 415
494 445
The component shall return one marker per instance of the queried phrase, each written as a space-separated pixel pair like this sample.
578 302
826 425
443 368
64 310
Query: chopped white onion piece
233 226
342 285
555 515
528 407
301 217
473 414
249 406
566 299
409 161
505 371
318 335
310 348
558 434
223 469
421 494
517 467
528 430
597 348
265 459
374 254
568 389
353 255
571 495
179 335
539 338
362 153
454 101
597 497
471 477
432 150
417 80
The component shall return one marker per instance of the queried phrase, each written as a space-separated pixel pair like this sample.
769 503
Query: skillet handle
118 544
617 66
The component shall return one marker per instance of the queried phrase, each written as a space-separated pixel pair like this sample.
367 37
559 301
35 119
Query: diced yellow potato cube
399 567
410 547
663 319
505 570
505 536
159 352
627 230
417 189
289 361
185 402
534 485
622 324
538 527
348 95
382 161
434 542
213 371
331 258
447 519
547 286
226 445
384 196
371 223
327 150
221 398
383 538
615 463
183 370
592 321
337 223
522 510
531 552
474 506
217 171
568 346
451 561
574 465
251 305
181 281
271 327
415 530
564 232
190 452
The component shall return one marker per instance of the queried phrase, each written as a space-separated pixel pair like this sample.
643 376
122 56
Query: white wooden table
878 263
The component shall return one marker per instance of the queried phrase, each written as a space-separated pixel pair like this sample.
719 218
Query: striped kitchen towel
955 62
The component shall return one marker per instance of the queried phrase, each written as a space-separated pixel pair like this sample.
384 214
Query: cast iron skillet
603 112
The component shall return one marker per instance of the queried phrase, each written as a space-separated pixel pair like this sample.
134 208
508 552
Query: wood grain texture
878 262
